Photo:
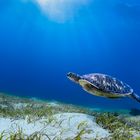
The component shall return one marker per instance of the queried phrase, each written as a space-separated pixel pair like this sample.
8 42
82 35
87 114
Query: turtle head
74 77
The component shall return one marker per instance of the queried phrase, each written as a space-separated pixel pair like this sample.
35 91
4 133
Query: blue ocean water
42 40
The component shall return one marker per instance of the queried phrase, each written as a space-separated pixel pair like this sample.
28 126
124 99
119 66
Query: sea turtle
103 85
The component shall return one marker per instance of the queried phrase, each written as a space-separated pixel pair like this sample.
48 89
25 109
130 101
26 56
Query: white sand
62 126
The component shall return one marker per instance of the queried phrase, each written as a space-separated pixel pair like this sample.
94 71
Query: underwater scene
70 70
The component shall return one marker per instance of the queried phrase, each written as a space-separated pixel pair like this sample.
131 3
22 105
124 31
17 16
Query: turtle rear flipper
136 97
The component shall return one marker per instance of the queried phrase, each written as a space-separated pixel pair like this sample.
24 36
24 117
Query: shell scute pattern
108 84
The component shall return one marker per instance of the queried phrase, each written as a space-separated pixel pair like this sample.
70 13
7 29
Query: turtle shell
108 84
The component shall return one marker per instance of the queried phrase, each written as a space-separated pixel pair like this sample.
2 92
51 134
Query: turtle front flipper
87 86
136 97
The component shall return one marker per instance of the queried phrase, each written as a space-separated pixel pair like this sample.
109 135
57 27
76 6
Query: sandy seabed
24 118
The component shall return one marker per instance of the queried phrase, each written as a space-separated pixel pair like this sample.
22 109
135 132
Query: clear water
42 40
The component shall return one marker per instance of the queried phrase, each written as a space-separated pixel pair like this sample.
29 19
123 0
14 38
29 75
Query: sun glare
60 10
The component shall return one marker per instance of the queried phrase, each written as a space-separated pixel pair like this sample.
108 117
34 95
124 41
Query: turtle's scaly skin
108 84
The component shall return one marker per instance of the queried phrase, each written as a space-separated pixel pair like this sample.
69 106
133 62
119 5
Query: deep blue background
37 52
